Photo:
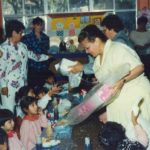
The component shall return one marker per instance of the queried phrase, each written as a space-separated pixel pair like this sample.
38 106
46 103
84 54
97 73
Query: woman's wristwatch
124 80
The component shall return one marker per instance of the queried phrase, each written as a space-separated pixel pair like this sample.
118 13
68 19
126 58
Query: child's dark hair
26 101
111 134
49 74
5 115
127 144
112 137
3 137
40 89
23 91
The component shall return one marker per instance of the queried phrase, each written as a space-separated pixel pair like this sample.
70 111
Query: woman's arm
134 73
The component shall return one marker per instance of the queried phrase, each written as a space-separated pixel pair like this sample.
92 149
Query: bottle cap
87 140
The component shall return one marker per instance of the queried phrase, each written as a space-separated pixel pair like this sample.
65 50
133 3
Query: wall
143 3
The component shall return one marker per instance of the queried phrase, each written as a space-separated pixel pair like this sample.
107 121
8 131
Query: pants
8 102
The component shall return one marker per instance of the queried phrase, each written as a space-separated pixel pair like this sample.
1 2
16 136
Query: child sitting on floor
28 91
50 80
112 136
7 123
72 47
3 140
32 122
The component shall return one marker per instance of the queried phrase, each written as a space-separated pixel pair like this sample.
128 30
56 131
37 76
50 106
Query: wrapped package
64 68
99 96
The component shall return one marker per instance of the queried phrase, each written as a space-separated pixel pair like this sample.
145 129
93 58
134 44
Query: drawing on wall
72 29
60 29
96 19
84 20
66 21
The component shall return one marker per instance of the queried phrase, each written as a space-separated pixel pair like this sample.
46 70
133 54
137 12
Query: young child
7 123
72 47
44 97
28 91
32 122
50 80
3 140
23 91
112 136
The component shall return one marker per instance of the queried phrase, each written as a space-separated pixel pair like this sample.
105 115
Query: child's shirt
13 141
41 103
72 48
44 101
31 129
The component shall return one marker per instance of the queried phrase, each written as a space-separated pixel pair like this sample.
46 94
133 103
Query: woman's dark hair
23 91
113 22
142 20
13 25
26 101
38 21
110 135
3 137
91 32
5 115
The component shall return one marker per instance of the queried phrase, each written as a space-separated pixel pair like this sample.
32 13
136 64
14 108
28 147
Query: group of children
30 106
30 109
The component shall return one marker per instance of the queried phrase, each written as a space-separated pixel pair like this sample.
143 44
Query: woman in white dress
108 56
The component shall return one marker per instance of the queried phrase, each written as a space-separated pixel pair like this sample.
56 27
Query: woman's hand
118 86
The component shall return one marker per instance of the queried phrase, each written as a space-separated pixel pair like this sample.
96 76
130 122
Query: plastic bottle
49 131
87 144
56 113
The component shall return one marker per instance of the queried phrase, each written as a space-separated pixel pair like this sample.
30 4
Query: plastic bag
99 96
63 68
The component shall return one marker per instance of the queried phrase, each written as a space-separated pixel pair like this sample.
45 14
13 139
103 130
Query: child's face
9 125
32 109
3 146
31 93
40 95
50 80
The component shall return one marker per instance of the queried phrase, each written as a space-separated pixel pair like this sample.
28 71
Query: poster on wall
96 19
66 29
65 26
